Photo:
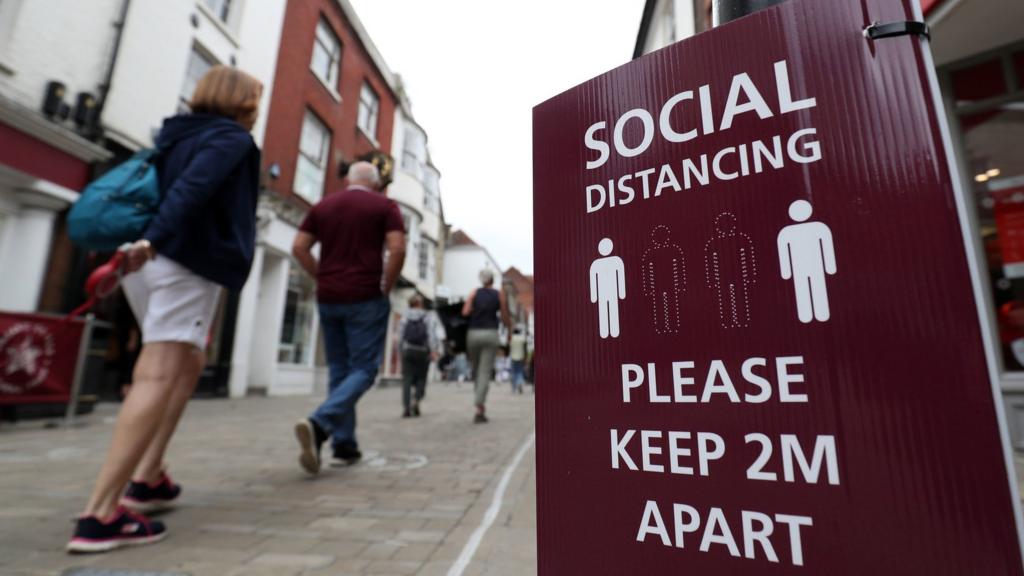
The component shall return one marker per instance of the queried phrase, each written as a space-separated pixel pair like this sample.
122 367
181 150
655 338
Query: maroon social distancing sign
758 341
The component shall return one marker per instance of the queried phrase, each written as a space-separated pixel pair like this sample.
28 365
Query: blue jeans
354 340
518 374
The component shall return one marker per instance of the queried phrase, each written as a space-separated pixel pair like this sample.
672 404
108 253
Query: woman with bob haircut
483 307
201 239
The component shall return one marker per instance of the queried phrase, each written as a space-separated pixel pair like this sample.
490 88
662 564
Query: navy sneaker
310 438
125 528
347 453
147 498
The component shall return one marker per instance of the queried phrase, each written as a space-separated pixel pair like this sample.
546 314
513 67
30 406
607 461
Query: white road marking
492 513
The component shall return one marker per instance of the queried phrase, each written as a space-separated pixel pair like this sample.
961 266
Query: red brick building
333 100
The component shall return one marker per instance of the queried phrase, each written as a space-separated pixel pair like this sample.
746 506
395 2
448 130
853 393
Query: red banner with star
37 358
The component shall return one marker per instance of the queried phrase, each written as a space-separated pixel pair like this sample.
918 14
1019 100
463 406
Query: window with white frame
199 63
431 189
220 8
369 110
412 230
414 151
311 169
424 259
326 55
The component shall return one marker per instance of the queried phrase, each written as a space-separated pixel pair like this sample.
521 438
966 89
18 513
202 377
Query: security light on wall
53 101
85 110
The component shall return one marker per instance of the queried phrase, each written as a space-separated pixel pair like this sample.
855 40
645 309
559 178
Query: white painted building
150 84
416 189
43 162
464 259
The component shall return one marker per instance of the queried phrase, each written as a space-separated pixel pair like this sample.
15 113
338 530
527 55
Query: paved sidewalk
409 508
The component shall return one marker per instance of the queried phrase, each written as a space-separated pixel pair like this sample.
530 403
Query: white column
266 332
24 255
244 327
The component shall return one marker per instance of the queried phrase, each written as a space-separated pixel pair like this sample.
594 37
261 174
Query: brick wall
296 88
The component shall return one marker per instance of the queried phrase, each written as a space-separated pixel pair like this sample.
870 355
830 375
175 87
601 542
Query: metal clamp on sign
878 31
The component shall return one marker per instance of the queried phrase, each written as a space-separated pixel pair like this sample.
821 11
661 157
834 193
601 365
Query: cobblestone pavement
409 507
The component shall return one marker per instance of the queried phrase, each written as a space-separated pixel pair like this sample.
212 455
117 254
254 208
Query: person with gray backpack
420 346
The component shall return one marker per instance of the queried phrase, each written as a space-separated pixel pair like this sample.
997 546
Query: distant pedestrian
483 307
420 346
446 362
353 227
517 353
201 239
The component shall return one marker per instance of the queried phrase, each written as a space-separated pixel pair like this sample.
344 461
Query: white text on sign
784 458
729 163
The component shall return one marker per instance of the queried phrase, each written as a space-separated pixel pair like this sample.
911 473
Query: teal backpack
118 206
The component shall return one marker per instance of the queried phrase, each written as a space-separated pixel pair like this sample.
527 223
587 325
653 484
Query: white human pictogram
664 280
730 269
607 287
806 255
23 358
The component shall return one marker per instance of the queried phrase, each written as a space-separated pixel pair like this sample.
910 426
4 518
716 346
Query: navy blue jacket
209 172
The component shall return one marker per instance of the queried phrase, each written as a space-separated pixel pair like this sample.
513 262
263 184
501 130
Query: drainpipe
104 88
725 11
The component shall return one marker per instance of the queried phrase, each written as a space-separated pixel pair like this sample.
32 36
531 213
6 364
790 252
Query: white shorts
171 303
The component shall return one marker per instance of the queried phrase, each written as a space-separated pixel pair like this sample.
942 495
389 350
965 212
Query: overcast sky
474 69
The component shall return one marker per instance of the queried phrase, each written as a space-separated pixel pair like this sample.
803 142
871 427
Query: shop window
326 55
311 169
199 63
369 110
994 149
297 345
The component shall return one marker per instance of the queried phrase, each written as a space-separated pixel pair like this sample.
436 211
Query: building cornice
34 124
369 46
274 203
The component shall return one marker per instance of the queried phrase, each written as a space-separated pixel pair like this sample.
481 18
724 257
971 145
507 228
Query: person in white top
517 353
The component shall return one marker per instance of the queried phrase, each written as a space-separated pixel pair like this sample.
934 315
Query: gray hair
364 172
486 277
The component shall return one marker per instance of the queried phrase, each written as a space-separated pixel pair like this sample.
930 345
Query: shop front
979 53
42 168
276 350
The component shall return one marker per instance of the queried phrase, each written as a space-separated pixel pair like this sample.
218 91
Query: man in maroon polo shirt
353 227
